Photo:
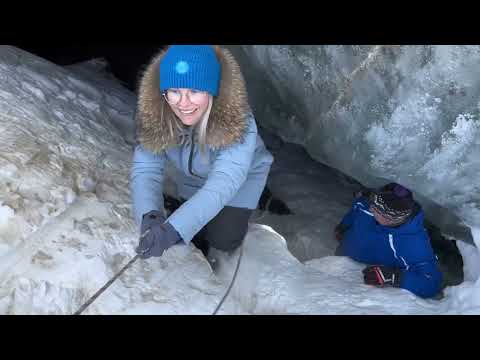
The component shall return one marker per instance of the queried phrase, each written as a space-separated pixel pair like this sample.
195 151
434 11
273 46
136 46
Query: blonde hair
168 116
203 126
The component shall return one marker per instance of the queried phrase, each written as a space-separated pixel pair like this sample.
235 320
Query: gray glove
155 242
153 217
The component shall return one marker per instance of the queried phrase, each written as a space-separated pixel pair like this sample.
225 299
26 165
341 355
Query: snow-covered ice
380 113
66 226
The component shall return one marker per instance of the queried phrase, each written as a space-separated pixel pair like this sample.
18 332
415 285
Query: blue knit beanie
190 67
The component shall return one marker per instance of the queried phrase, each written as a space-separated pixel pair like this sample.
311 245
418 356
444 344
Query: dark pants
225 232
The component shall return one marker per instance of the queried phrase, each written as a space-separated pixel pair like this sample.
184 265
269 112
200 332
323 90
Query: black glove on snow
155 242
153 217
362 193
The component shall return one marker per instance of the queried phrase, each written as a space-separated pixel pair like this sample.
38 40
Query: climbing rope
133 261
108 284
105 287
231 284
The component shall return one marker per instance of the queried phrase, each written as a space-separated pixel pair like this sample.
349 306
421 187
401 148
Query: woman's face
189 105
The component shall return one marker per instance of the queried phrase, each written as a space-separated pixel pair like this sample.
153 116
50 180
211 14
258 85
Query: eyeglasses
173 96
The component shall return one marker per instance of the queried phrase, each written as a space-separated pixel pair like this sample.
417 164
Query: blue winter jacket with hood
232 171
406 247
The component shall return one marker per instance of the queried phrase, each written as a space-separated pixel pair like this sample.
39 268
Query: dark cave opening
126 60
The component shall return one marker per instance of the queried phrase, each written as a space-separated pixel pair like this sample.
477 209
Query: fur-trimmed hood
227 123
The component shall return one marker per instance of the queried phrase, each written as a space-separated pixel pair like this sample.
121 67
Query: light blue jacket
233 176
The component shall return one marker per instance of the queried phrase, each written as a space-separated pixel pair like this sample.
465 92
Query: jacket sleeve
424 279
358 204
146 182
347 220
229 172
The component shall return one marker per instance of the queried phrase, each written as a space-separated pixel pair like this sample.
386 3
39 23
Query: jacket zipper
190 160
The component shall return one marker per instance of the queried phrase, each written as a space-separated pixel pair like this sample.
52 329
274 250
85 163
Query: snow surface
66 227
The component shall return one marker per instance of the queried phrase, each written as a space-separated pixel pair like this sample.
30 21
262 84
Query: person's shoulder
361 203
251 126
415 230
417 218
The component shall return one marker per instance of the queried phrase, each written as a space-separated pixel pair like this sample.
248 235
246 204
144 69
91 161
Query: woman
193 112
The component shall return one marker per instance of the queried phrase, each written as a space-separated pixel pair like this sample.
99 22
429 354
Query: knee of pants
227 231
226 242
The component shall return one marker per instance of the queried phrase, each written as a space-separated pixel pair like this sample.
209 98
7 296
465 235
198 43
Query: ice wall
380 113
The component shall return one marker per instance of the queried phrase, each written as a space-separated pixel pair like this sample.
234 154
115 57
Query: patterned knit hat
190 67
394 202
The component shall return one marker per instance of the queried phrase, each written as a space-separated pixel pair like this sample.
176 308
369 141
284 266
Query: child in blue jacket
385 229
